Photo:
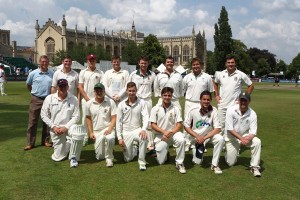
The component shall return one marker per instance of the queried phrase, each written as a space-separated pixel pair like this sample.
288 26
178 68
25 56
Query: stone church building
52 37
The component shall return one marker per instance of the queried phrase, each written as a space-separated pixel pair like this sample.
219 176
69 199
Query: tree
257 54
210 63
152 48
131 53
263 67
244 61
294 67
281 67
223 39
57 58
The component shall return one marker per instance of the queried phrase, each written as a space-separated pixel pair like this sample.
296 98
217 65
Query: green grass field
33 175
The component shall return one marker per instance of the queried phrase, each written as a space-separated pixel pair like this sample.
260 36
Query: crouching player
101 121
203 125
60 113
166 121
132 122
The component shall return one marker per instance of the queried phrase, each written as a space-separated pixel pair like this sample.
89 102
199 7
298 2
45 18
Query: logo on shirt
235 78
201 123
105 110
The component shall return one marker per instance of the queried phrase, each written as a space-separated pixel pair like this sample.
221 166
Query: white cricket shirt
72 78
89 79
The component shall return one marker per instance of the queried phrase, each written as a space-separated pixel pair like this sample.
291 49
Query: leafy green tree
294 67
257 54
281 66
263 67
223 39
79 53
131 53
57 58
210 63
244 61
152 48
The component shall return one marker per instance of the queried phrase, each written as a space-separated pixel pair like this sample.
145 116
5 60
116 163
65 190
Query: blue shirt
40 82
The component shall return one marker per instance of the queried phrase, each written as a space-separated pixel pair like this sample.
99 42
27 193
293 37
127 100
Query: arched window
167 51
186 53
176 53
116 50
50 48
108 49
70 46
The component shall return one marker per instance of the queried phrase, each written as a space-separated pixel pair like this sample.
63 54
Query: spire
64 22
193 31
95 31
203 34
133 26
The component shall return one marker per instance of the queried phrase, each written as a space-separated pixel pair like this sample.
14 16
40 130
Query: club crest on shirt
235 78
105 110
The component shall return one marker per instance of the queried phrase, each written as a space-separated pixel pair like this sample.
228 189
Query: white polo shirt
57 112
72 78
164 80
101 113
193 85
230 86
202 124
89 79
143 83
165 118
131 117
115 82
242 124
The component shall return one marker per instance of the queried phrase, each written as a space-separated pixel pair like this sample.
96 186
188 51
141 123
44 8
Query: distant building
52 37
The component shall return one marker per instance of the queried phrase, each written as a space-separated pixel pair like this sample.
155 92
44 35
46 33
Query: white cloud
238 11
184 13
201 15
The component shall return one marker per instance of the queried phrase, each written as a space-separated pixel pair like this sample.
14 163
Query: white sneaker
109 163
180 168
216 169
73 162
143 167
255 171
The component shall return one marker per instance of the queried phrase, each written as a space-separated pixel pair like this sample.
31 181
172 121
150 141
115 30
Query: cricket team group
118 105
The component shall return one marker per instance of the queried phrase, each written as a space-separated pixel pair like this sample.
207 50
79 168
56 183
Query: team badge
105 110
235 78
171 115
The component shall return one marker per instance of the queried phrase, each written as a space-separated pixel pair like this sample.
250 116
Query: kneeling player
203 125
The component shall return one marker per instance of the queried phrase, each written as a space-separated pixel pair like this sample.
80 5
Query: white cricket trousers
2 88
129 138
162 147
104 145
83 118
187 106
64 145
150 134
218 142
222 118
233 147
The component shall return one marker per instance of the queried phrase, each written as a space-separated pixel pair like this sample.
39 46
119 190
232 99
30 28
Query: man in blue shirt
39 84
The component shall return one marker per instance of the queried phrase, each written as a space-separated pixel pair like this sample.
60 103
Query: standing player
66 73
60 112
2 80
169 78
230 81
144 78
88 78
203 125
241 129
132 122
101 120
115 81
193 85
166 121
39 84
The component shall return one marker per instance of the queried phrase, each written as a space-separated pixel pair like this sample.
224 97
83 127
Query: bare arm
90 127
82 92
216 88
250 88
29 87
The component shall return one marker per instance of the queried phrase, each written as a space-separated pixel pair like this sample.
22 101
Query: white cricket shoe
142 167
73 162
216 169
109 163
180 168
255 171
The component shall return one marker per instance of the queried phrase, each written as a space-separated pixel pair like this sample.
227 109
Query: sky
273 25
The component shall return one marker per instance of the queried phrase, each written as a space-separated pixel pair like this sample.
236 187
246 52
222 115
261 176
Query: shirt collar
138 72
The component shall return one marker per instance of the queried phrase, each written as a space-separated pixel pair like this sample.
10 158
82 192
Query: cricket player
132 122
169 78
2 80
60 111
66 73
115 81
88 78
230 81
166 121
101 120
241 129
203 125
144 78
193 85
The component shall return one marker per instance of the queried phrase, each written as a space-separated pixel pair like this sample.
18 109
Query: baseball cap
99 86
62 82
2 66
245 95
200 150
91 56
